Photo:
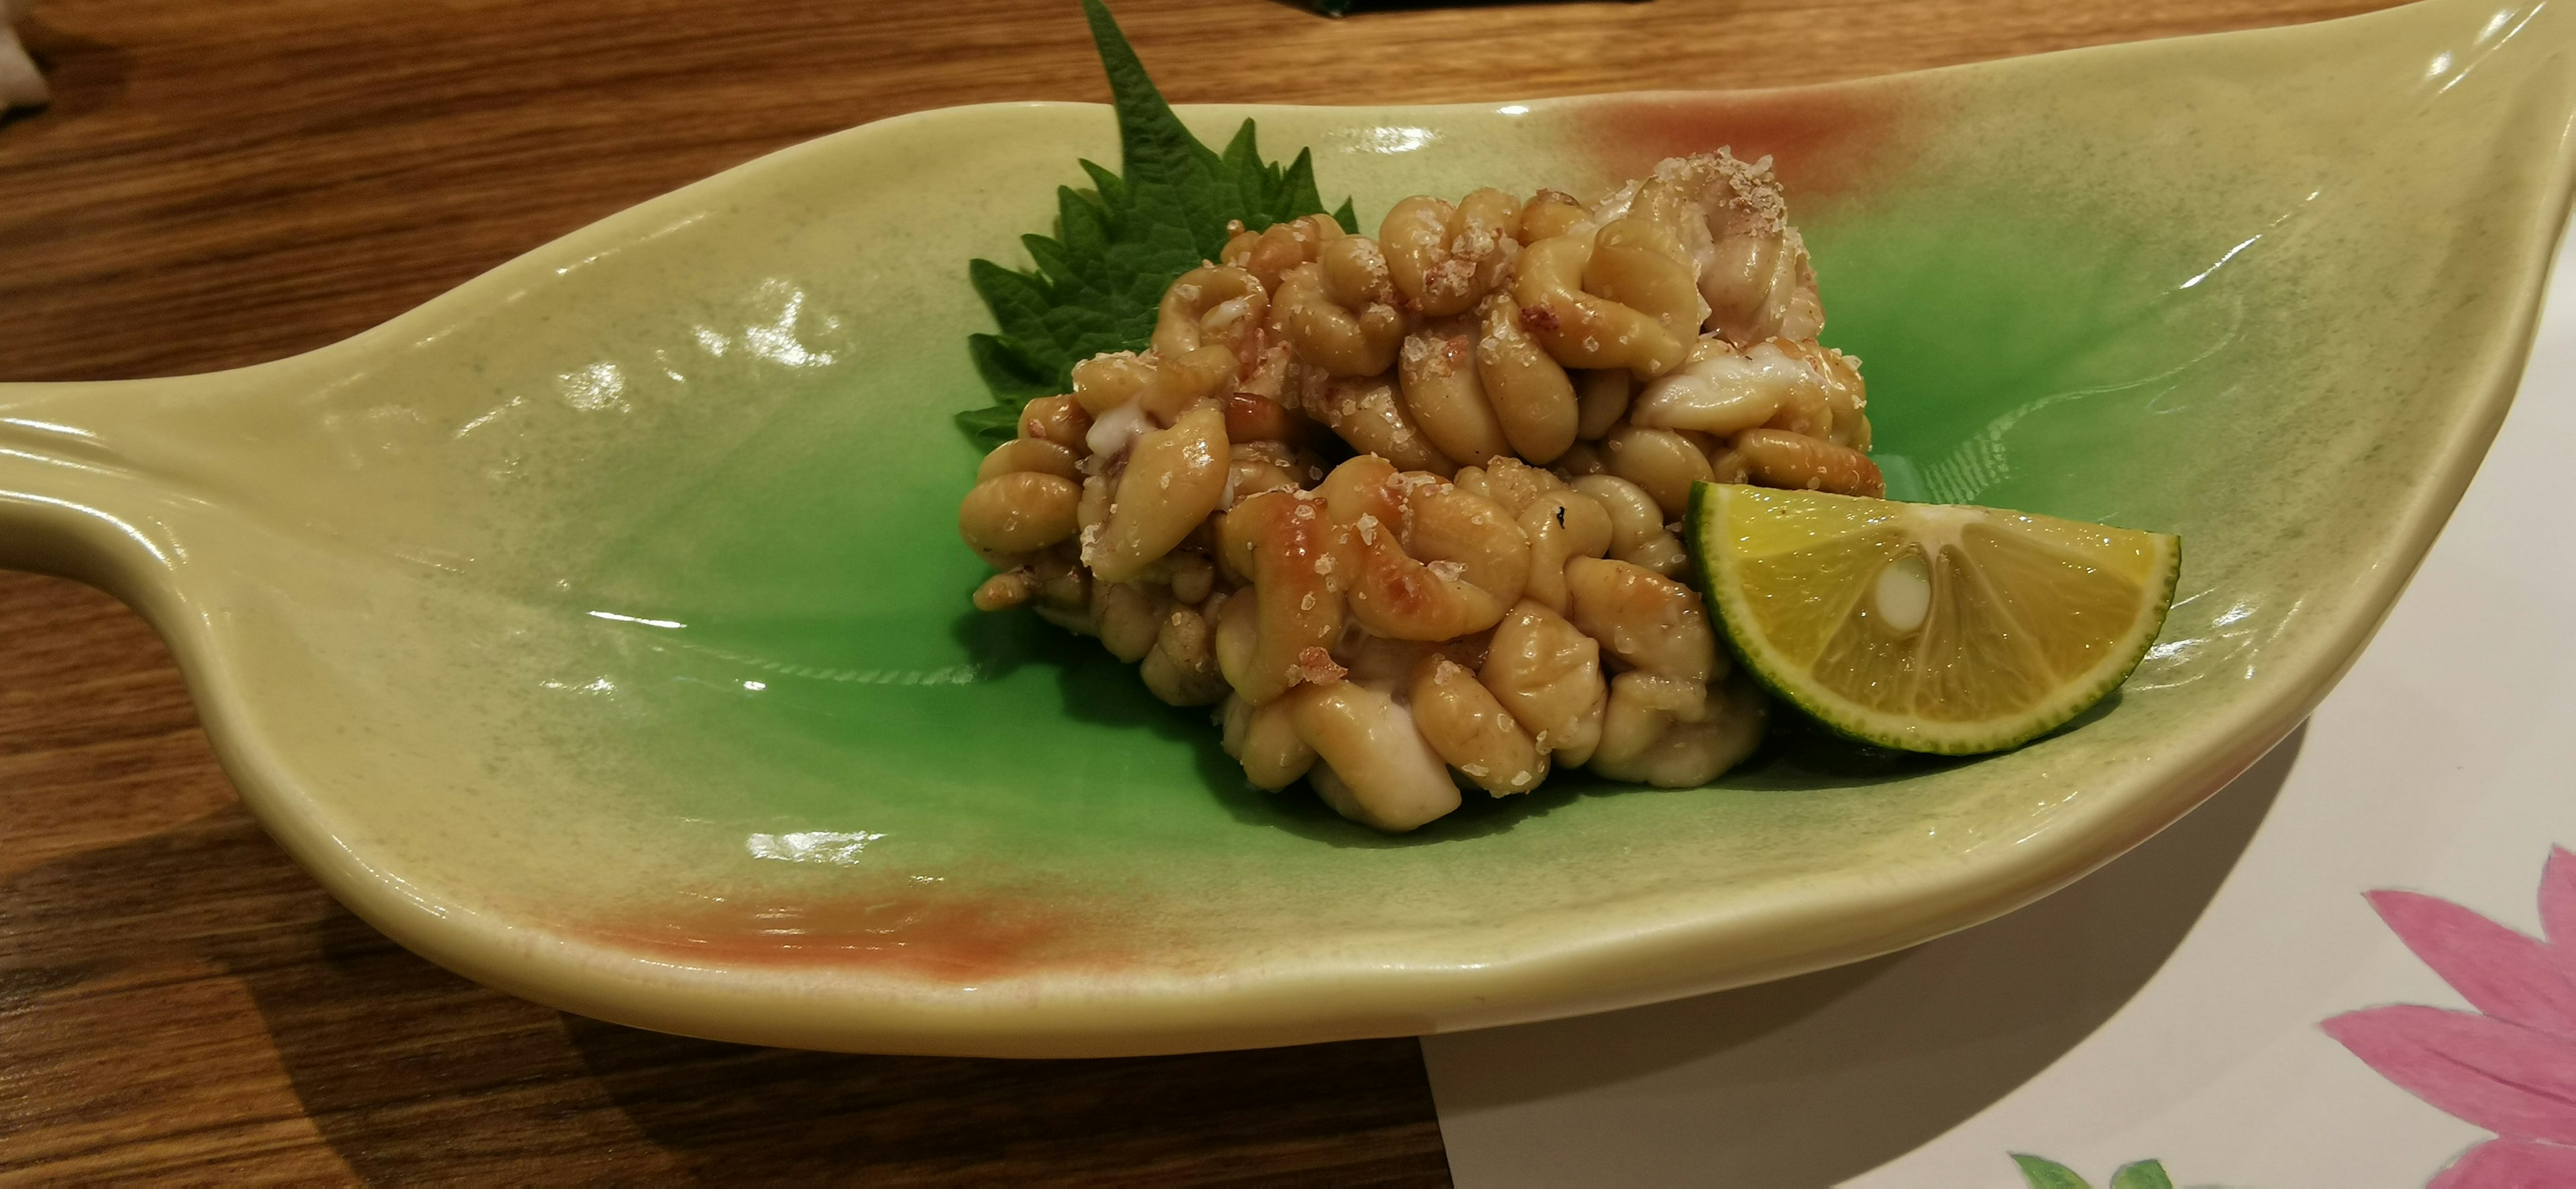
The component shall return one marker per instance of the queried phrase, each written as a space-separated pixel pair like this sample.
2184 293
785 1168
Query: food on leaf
1401 509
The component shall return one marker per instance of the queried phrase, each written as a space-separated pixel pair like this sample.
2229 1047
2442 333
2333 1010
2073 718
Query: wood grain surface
219 184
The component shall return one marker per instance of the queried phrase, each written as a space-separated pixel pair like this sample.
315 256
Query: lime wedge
1928 627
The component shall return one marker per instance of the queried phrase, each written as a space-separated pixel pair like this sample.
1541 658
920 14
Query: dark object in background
1337 8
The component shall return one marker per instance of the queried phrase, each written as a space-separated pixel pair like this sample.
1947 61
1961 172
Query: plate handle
71 503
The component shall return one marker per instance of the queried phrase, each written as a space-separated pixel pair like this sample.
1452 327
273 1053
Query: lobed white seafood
1486 586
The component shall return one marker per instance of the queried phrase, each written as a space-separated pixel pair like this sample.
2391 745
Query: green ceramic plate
599 629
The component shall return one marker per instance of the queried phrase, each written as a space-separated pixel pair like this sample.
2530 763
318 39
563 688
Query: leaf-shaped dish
599 629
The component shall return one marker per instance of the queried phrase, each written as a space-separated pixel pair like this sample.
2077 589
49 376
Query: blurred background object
20 85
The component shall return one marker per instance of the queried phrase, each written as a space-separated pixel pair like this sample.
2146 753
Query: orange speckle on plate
1823 142
928 931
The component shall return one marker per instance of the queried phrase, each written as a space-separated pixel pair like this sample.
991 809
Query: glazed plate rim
1292 1000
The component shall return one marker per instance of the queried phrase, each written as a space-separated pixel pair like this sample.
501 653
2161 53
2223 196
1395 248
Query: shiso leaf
1099 280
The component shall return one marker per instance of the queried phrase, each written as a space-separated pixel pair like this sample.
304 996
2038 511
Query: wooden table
219 184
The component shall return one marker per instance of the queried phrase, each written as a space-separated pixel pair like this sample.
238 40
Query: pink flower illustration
2509 1066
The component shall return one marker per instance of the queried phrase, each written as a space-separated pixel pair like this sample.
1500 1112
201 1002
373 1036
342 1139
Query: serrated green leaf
989 426
1099 280
1080 225
1296 189
1243 153
1018 300
2043 1173
1005 369
1054 265
2145 1174
1112 189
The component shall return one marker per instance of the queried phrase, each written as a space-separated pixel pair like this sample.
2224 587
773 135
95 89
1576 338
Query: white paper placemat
2171 1005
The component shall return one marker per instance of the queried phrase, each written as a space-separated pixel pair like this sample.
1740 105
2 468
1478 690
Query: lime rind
1786 680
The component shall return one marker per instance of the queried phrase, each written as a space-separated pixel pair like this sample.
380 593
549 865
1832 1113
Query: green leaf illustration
2043 1173
2145 1174
1099 281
